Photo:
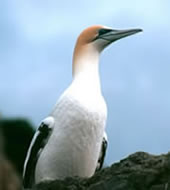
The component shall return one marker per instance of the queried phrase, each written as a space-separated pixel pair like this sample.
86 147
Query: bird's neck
86 69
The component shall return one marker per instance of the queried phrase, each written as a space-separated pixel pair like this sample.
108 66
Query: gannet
72 140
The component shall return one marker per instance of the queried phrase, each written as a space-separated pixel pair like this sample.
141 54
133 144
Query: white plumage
69 141
76 138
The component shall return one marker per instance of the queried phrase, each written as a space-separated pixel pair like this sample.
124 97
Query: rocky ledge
139 171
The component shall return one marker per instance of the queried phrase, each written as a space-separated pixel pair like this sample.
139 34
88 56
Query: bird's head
93 40
98 37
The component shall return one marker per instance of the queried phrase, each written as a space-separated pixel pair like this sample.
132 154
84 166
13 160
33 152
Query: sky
36 45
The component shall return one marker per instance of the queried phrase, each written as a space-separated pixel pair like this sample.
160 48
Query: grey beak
113 35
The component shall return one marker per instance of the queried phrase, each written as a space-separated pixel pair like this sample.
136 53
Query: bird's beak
113 35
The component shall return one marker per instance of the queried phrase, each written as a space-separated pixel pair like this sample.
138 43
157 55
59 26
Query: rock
17 134
9 179
139 171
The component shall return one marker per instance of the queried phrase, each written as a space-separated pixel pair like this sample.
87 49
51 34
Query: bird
72 141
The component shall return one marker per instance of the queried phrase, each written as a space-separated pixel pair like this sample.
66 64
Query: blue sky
36 44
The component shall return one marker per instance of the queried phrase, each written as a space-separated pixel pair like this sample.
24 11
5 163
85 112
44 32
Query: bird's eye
104 31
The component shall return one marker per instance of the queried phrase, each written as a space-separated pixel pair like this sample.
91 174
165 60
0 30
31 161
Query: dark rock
17 134
139 171
9 180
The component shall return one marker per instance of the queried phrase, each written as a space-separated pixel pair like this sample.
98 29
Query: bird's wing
102 153
37 144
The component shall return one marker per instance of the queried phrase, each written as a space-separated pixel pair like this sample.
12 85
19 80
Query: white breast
74 146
